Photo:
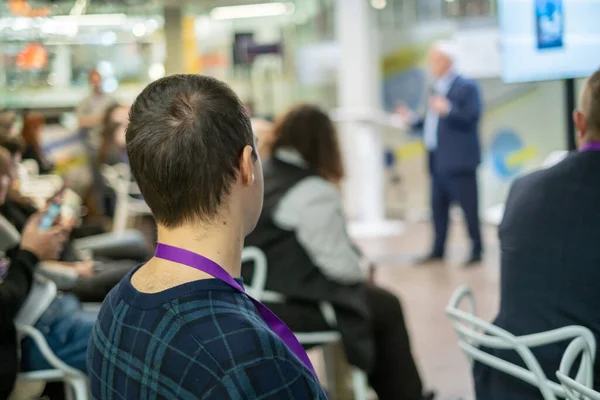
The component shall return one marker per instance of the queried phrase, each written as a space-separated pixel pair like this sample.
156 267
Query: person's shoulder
280 378
315 187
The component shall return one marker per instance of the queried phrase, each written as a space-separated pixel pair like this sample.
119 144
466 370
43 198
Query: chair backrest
575 389
43 292
256 288
475 333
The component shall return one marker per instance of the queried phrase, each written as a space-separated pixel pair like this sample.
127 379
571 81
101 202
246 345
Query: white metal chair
76 387
34 185
256 289
574 389
118 178
474 333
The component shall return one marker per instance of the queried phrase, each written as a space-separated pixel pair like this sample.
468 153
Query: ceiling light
139 29
92 19
252 11
378 4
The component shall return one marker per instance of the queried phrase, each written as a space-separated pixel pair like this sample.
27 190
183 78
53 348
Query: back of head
442 57
589 125
185 137
33 123
308 130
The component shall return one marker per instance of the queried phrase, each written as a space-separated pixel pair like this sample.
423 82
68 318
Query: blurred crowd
63 251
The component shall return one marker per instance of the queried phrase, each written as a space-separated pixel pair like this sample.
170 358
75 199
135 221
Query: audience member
192 152
549 255
18 209
302 231
89 281
92 108
17 282
33 125
112 148
263 130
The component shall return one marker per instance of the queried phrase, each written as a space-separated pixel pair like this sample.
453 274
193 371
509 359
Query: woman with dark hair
33 125
112 135
302 231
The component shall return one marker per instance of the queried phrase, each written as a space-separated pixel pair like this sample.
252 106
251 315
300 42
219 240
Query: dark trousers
448 188
395 375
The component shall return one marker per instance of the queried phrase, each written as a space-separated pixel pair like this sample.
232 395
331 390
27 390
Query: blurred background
358 59
275 54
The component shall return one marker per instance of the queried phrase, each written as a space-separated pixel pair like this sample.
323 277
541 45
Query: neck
222 242
587 140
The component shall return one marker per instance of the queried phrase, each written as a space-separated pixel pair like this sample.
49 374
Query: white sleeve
313 209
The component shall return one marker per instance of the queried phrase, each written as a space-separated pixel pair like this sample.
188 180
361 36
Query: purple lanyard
201 263
591 146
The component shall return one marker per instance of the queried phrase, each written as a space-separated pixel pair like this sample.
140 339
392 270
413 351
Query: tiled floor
425 292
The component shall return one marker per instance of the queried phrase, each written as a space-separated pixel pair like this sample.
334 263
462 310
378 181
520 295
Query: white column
61 66
359 99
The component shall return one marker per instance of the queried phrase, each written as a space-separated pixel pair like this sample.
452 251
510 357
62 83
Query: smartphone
53 210
549 16
51 214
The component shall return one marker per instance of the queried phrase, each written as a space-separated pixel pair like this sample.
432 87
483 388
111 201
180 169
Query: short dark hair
590 103
14 144
185 137
308 129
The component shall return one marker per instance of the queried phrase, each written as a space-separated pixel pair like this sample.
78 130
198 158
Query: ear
580 123
247 166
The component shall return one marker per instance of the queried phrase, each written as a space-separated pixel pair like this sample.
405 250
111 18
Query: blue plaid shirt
200 340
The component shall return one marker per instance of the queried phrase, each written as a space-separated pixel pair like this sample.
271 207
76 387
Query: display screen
549 39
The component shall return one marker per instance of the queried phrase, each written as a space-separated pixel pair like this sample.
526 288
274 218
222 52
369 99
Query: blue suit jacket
550 267
458 148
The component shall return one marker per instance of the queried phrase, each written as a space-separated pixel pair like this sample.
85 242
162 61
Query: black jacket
13 292
291 271
550 266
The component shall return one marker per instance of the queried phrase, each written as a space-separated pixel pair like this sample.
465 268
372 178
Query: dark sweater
199 339
13 292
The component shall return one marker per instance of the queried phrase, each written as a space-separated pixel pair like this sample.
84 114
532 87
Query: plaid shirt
200 340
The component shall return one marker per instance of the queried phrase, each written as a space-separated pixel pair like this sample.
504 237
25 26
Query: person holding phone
15 285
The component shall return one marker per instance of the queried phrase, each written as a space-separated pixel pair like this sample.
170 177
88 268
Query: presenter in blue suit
451 135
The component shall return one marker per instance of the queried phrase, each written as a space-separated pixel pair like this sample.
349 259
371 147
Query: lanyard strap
201 263
591 146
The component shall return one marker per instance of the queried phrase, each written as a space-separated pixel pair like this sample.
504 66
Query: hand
440 105
45 245
84 268
405 113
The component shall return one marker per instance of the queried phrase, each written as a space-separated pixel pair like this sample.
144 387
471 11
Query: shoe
429 259
474 261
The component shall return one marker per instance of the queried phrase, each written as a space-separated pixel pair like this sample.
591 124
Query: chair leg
79 388
360 385
338 371
68 390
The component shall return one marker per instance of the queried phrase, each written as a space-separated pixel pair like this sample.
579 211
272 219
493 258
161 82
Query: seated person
17 281
192 152
18 208
112 134
33 125
263 130
93 280
302 231
550 264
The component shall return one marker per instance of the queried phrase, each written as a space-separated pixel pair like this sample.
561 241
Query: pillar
359 99
174 59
